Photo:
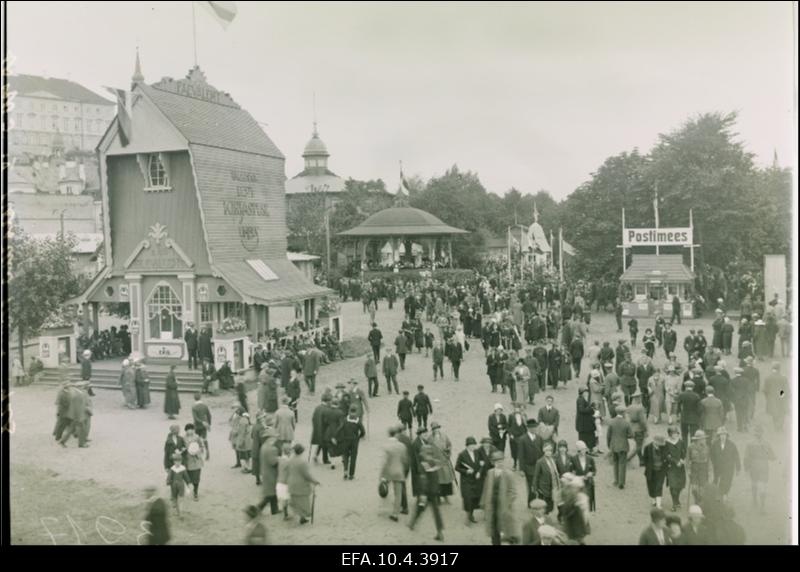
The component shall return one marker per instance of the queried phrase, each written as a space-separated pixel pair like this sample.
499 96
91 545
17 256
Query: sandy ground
93 495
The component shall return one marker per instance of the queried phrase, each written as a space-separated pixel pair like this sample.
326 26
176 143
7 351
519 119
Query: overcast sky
530 96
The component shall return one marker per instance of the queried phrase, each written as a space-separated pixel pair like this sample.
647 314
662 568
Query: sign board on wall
774 277
657 237
174 351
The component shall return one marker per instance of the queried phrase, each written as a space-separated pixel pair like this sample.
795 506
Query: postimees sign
657 237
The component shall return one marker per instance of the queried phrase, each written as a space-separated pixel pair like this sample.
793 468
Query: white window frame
156 300
146 165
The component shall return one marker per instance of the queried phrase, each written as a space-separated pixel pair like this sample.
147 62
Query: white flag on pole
223 12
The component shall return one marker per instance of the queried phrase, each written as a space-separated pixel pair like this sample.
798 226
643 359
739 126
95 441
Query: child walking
177 479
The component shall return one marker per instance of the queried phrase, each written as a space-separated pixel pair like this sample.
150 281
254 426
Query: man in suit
204 350
301 484
529 451
644 371
517 427
549 415
725 461
390 366
395 470
375 336
670 340
656 534
695 532
688 411
371 373
546 483
689 344
530 530
498 426
401 346
617 436
712 412
190 337
311 363
201 417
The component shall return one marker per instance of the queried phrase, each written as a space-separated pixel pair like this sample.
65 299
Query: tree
41 279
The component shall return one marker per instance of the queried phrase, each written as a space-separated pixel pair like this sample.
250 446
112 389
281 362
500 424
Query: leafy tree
41 279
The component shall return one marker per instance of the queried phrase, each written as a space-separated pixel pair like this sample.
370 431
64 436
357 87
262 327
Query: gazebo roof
402 221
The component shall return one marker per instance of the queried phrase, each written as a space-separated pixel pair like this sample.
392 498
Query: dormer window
155 168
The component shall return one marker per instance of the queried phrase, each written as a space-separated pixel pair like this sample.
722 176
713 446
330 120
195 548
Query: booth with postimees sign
652 282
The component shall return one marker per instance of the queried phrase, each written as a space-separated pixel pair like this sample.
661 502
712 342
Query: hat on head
435 425
538 503
746 343
580 446
497 406
695 510
595 374
470 441
497 456
531 423
485 440
340 385
699 434
659 439
722 430
87 353
710 389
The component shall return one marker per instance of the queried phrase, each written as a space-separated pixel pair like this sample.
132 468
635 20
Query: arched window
157 172
164 314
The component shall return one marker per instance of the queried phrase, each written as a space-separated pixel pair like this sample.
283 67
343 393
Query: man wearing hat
498 428
497 501
670 339
539 518
696 532
617 436
739 397
529 451
395 469
349 436
390 366
712 413
637 417
190 337
724 461
757 457
689 411
428 492
689 344
358 398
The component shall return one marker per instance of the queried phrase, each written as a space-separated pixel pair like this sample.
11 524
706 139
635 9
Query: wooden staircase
189 381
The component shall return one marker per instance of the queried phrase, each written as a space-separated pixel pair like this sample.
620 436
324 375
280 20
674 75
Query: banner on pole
657 237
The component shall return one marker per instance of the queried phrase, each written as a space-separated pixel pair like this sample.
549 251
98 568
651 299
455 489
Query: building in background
50 113
194 222
315 178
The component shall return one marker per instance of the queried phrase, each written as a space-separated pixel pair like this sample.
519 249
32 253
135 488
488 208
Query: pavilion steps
189 381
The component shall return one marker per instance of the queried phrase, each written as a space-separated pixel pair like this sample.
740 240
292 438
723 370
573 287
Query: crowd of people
534 344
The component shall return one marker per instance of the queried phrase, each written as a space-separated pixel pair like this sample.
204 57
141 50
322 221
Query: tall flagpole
508 245
691 248
561 253
194 35
552 262
624 250
655 208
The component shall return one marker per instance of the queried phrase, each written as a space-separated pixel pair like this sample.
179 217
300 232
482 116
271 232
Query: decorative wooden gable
158 252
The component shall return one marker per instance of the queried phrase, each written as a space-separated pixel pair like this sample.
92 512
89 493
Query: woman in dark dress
172 403
470 464
675 454
584 419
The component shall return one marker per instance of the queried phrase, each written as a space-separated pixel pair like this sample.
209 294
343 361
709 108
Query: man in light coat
311 363
394 471
301 484
285 422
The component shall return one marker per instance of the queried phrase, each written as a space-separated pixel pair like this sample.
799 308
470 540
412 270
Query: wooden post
450 250
508 250
561 253
624 250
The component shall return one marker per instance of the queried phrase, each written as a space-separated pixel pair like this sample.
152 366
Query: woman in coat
470 465
172 403
584 419
497 501
268 464
655 468
563 458
584 466
443 448
675 453
672 389
301 484
142 382
656 389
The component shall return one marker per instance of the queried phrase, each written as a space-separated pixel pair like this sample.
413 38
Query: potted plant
330 306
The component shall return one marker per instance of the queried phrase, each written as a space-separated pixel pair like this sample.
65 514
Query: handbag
383 489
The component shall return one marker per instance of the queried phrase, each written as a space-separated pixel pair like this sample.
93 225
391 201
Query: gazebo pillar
450 250
395 250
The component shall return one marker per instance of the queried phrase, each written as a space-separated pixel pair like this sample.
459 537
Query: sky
530 96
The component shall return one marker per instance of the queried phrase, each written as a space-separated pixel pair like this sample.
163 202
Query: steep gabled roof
211 123
37 86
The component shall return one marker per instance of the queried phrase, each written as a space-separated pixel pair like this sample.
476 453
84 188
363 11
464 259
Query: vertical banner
774 277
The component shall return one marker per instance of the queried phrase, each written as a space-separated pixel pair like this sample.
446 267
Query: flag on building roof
223 12
124 114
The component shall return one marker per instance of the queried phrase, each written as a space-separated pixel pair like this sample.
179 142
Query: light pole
61 219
